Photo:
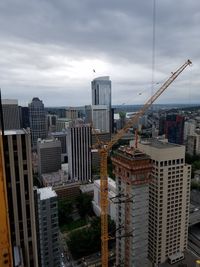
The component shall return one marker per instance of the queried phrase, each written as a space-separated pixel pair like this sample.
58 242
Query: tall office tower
101 95
169 198
37 120
173 126
193 144
79 152
98 116
18 170
189 128
47 227
51 122
101 91
132 169
49 155
10 114
24 117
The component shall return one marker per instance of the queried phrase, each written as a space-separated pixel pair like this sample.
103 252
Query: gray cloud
48 48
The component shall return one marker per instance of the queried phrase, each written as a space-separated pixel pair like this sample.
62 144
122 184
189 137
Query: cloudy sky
49 48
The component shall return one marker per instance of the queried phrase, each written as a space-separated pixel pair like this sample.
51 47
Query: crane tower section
5 243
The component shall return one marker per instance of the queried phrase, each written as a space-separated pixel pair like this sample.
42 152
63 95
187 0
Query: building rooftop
9 102
159 144
46 193
102 78
130 153
15 132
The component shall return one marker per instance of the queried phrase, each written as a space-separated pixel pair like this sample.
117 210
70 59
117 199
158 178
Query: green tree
65 209
84 204
87 241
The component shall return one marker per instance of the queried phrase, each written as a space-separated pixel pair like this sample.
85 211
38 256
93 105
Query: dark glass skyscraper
37 120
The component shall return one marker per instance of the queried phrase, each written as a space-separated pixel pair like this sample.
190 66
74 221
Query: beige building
169 196
18 169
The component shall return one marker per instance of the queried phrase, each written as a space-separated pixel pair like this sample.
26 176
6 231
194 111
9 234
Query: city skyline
57 49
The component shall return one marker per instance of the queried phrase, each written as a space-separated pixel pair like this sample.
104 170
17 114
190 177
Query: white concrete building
98 116
189 128
47 227
193 144
169 198
111 194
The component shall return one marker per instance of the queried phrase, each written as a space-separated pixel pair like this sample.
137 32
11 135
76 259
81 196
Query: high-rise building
101 95
98 116
193 144
10 114
49 155
173 128
24 117
37 120
101 91
169 198
189 128
47 227
18 170
79 152
51 122
132 170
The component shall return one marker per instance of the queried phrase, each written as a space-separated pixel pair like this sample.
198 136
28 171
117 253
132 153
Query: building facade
98 116
47 227
49 155
10 114
193 144
169 198
111 195
132 170
18 170
79 152
101 91
173 127
37 120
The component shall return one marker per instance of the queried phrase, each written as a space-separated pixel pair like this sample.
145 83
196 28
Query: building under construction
132 169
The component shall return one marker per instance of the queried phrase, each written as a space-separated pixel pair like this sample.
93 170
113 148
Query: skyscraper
98 116
173 127
11 114
169 198
49 155
47 227
101 91
18 169
79 152
132 169
101 95
37 120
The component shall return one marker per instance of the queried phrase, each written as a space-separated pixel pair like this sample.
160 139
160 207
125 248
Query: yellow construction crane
5 243
104 149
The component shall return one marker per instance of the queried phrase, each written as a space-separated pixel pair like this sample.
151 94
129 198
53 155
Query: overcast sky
49 48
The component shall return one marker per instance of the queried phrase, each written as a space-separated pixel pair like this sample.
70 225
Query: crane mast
5 243
104 150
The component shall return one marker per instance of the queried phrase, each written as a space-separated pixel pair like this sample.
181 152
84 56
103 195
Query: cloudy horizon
49 49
